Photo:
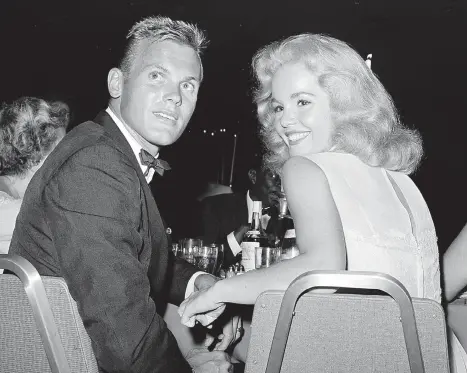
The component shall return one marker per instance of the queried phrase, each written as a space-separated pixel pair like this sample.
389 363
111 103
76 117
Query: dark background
62 49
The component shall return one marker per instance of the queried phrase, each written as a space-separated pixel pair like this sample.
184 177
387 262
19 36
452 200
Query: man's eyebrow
165 70
155 65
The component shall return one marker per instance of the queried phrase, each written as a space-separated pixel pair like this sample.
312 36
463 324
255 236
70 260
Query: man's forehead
169 52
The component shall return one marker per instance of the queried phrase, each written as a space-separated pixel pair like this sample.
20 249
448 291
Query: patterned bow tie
148 160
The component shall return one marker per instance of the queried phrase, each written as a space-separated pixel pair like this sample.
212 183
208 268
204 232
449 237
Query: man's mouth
166 115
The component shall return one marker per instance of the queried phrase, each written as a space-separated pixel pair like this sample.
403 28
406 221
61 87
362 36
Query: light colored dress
9 209
387 227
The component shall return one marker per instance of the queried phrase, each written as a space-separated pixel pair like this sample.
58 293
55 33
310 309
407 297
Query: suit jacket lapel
159 253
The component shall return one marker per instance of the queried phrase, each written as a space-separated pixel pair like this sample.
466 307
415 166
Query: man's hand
203 361
232 331
205 281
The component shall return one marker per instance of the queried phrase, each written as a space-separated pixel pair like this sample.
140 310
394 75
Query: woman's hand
201 306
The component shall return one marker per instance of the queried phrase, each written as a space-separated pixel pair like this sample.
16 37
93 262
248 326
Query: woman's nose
287 119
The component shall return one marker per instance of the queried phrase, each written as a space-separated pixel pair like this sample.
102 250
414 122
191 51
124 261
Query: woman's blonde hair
366 121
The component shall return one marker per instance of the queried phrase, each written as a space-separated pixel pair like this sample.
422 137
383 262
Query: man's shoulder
84 140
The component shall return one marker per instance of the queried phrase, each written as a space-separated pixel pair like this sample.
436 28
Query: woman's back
387 225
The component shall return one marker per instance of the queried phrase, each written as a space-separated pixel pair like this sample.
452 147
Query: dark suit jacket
88 216
222 214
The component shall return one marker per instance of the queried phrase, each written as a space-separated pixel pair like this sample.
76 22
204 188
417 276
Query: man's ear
115 82
252 175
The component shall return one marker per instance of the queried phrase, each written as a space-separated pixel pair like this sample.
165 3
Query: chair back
41 329
318 332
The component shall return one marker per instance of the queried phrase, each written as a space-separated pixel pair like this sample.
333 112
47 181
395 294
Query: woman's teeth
293 137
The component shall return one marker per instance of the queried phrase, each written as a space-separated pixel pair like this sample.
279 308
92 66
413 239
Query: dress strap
404 202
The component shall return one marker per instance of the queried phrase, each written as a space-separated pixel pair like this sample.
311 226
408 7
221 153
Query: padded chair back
346 332
41 330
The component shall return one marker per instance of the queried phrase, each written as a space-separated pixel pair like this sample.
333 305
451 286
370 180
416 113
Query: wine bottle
254 238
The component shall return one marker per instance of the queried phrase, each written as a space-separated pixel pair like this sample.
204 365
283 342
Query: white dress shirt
136 147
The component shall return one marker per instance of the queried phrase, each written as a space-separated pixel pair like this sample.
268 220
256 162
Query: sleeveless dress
388 228
9 209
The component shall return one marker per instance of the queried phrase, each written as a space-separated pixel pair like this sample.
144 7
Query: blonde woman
333 132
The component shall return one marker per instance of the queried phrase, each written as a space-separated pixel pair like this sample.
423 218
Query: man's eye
188 86
303 102
277 109
155 75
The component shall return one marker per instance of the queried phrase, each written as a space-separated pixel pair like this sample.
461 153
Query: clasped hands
202 307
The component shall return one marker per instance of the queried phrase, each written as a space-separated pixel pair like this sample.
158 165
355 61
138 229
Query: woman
455 281
29 130
332 129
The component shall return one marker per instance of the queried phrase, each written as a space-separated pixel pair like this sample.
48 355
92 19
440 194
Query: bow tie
148 160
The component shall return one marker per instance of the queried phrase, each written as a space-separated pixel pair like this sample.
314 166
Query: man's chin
164 139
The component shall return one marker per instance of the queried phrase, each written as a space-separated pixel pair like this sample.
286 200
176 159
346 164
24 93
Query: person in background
30 128
89 215
226 217
455 281
333 132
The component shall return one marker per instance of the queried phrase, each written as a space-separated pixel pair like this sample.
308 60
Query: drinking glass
188 248
267 256
289 245
205 258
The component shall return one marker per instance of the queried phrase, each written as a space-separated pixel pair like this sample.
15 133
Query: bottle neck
255 222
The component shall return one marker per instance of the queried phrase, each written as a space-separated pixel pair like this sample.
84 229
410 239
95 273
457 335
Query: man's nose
173 95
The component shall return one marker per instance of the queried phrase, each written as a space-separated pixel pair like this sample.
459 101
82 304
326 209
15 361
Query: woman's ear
115 82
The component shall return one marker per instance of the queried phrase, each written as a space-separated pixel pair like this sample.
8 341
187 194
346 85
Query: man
90 218
227 217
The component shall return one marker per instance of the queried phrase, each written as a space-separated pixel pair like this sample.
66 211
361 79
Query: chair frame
42 312
345 279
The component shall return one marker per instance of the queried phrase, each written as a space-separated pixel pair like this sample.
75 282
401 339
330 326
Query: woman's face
302 116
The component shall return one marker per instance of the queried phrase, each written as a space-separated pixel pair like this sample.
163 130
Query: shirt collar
249 204
135 146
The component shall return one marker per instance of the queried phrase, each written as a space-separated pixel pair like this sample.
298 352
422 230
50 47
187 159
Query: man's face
267 187
159 94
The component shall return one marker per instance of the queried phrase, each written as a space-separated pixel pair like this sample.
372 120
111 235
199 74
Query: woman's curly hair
366 122
29 129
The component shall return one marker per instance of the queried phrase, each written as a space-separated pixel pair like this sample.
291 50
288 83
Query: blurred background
63 49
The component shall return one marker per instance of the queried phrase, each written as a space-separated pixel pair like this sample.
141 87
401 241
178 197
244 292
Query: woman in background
29 129
333 131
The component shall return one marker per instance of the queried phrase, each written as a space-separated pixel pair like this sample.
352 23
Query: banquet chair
299 331
40 328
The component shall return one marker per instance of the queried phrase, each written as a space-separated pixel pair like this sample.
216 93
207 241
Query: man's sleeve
180 275
94 204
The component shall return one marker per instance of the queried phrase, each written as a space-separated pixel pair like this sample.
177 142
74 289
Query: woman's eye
277 109
303 102
188 86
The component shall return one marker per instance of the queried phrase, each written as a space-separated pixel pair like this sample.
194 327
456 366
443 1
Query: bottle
289 245
253 238
230 272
